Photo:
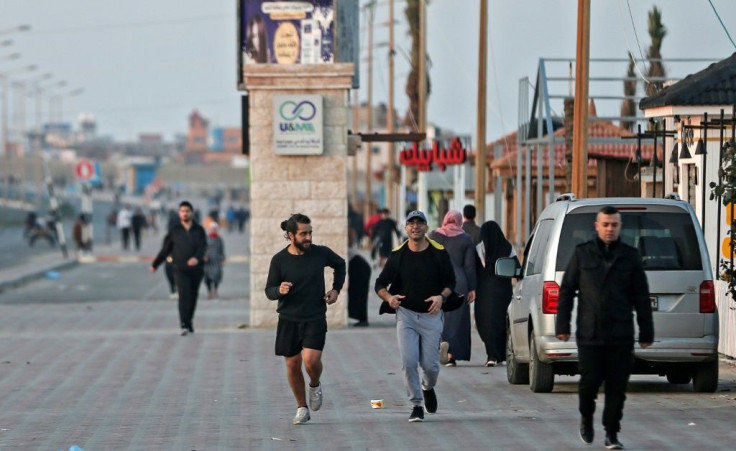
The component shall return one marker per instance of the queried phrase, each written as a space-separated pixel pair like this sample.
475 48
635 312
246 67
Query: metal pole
654 162
665 160
718 214
480 155
8 170
369 145
638 155
703 178
391 173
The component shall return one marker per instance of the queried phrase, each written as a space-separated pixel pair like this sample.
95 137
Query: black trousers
610 364
170 276
187 283
125 235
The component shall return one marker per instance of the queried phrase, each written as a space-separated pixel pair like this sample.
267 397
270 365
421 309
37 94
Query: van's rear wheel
517 373
705 377
541 377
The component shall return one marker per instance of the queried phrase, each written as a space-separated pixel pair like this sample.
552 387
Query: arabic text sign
297 125
424 158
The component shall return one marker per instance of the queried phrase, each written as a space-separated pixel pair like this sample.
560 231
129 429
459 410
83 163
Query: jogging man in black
186 242
296 279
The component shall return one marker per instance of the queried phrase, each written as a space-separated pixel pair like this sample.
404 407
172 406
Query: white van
675 257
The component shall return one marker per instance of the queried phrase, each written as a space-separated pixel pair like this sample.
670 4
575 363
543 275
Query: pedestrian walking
359 277
186 243
79 235
111 221
214 261
242 216
416 281
455 344
382 235
230 218
493 293
296 280
469 225
124 223
138 223
609 281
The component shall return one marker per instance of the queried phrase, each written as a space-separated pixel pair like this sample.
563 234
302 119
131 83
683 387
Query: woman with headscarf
456 330
494 293
214 260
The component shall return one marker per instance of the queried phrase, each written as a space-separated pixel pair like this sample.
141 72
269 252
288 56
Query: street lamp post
5 80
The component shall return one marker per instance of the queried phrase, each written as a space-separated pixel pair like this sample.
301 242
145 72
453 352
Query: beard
304 247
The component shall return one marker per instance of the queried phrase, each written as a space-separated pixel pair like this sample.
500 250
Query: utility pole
354 159
422 120
369 145
391 173
480 154
580 123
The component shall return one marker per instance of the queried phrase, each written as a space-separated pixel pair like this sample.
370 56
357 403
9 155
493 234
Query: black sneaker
586 430
417 414
612 441
430 400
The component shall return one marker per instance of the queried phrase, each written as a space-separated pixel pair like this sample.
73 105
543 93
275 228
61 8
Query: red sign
423 158
84 170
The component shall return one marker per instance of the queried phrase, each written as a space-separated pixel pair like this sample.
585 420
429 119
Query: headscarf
452 225
495 243
213 230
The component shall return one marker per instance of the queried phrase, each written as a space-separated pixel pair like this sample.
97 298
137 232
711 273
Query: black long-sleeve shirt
183 244
305 300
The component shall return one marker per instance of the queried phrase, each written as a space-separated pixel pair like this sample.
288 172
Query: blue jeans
419 345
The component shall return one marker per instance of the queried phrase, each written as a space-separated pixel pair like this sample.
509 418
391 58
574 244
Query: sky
145 65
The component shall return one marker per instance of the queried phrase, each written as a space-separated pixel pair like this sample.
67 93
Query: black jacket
183 244
610 284
390 277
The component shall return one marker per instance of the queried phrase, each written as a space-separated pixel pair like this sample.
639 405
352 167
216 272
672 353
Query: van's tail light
550 296
707 297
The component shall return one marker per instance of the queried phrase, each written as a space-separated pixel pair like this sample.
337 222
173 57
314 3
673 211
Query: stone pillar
314 185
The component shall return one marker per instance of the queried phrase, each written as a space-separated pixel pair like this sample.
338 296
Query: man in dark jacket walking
186 243
609 280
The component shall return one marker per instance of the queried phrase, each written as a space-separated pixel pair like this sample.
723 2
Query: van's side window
538 248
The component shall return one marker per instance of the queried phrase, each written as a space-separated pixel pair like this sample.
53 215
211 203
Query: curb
37 274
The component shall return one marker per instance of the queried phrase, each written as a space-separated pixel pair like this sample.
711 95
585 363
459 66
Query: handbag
453 302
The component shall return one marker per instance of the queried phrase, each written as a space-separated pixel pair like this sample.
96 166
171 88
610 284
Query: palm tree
412 83
628 106
657 32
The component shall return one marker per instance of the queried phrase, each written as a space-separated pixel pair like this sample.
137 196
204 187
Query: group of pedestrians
421 274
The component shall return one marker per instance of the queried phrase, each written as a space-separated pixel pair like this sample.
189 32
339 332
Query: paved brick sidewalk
116 376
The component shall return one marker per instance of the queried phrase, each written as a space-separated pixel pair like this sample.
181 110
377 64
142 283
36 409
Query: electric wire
721 21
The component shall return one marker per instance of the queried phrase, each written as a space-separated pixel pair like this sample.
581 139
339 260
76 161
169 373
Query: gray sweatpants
419 345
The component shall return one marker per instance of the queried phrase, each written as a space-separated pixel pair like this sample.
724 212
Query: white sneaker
302 416
315 397
444 349
173 296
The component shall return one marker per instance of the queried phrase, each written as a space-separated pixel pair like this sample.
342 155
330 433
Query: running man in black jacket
610 283
296 279
186 243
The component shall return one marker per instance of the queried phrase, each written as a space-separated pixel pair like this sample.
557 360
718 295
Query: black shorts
293 336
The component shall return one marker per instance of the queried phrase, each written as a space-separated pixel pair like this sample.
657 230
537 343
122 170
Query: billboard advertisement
298 32
287 32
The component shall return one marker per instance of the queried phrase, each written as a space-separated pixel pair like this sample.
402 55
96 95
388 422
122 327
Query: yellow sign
726 248
286 43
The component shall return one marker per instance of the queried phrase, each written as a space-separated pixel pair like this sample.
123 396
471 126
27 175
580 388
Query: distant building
197 133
